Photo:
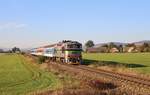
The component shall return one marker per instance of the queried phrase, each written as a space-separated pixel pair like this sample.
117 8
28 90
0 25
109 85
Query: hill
121 43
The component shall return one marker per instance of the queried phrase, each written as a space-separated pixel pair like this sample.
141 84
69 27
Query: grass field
136 61
19 76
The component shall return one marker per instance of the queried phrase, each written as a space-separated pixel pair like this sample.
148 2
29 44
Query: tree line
107 48
13 50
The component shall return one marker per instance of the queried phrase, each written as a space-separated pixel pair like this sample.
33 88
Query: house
114 50
130 49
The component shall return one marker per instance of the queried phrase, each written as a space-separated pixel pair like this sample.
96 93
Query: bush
23 53
41 59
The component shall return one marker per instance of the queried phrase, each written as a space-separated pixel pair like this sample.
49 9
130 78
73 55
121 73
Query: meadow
19 76
139 62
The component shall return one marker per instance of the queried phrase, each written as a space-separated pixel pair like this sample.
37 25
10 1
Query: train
66 51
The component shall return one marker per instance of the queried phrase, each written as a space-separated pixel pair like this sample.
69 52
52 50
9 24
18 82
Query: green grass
136 61
18 76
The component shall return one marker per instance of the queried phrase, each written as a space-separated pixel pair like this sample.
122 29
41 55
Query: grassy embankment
139 62
19 76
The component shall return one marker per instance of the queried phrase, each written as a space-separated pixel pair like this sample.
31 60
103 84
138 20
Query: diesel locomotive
67 51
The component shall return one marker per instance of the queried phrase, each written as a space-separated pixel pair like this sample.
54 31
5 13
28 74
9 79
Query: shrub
23 53
41 59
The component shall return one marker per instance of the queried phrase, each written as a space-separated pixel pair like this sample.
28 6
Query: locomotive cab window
69 46
74 46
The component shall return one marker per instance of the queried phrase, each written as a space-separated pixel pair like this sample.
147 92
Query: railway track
134 83
129 78
134 79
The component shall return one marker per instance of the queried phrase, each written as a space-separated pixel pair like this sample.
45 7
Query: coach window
55 51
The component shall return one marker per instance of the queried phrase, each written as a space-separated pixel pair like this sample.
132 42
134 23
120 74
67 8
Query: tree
89 43
105 45
131 45
145 47
112 45
109 46
15 50
1 51
41 59
120 47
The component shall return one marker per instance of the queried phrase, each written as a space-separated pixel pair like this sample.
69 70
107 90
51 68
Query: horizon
31 23
4 48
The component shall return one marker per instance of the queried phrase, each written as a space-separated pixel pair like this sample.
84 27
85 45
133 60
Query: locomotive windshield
74 46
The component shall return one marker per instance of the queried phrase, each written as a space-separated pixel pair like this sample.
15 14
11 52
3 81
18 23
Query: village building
114 50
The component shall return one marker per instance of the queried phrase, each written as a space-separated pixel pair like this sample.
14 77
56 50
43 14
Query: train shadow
111 63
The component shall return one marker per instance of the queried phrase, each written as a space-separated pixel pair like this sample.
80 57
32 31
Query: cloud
12 25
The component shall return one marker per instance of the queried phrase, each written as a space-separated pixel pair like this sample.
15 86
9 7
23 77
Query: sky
32 23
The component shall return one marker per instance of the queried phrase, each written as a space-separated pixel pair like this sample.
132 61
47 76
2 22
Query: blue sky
31 23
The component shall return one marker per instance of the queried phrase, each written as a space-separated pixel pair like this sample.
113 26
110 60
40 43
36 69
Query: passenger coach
66 51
